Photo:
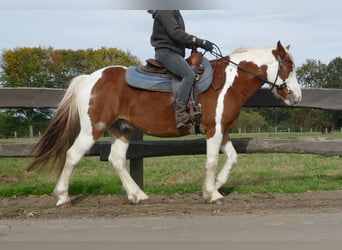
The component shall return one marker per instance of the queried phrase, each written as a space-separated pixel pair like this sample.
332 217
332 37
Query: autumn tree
50 68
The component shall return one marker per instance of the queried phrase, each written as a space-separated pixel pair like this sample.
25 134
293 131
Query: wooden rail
139 149
49 98
144 149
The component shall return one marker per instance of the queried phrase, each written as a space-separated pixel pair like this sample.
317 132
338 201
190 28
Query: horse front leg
229 150
117 158
210 192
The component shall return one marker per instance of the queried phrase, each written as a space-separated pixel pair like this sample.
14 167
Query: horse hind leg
75 153
117 158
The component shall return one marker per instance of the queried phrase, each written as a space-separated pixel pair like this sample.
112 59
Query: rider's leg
177 65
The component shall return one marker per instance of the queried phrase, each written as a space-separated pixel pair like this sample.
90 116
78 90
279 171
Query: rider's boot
183 119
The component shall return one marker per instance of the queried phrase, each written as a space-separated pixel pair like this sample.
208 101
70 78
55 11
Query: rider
170 40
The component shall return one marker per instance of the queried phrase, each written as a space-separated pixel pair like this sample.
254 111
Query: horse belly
151 112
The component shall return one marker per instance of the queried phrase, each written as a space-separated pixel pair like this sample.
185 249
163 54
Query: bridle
281 75
280 72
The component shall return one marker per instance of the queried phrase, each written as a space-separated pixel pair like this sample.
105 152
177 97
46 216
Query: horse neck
238 91
245 89
255 65
258 61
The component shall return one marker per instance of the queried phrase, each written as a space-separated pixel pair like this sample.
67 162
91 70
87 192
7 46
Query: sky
312 28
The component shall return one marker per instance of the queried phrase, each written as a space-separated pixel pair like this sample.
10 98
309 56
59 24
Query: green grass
254 173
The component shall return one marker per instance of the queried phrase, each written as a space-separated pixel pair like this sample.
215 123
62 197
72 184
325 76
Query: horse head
282 70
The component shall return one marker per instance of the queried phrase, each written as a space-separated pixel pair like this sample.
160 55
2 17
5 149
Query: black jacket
169 32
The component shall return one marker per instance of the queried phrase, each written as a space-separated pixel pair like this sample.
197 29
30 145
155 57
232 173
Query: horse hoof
64 205
218 201
137 198
214 198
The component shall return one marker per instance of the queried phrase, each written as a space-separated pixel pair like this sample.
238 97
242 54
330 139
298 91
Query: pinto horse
103 102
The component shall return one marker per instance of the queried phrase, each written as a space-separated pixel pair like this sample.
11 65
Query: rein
263 79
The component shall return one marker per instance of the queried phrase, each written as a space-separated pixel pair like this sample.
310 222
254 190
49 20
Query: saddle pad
136 79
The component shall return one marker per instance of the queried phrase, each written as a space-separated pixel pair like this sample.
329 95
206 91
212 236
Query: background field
254 173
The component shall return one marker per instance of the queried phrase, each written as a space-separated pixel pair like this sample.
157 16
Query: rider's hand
207 45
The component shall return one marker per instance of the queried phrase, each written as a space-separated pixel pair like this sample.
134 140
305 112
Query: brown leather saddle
155 67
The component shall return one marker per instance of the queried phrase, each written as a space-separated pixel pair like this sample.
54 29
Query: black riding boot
183 119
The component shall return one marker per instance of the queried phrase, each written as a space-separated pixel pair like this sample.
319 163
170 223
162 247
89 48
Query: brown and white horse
102 101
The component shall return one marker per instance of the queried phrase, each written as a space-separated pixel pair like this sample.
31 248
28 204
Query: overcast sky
312 28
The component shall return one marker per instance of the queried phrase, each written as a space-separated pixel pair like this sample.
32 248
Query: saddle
154 77
155 67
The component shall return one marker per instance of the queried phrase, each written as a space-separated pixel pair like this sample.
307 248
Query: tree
334 74
312 74
249 121
24 67
41 67
49 68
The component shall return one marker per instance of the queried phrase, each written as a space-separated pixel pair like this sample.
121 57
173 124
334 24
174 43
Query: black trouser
178 66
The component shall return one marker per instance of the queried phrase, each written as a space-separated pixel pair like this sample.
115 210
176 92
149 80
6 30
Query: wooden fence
139 149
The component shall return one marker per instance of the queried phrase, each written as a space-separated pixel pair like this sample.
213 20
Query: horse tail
50 151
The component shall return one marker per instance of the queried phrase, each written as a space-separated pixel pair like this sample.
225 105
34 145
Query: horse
326 127
103 102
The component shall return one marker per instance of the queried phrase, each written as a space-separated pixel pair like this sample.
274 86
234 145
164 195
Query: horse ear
288 47
281 49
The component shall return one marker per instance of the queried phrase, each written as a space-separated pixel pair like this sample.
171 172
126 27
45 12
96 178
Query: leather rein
280 72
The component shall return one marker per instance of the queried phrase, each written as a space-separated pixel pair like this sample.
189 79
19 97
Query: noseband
280 71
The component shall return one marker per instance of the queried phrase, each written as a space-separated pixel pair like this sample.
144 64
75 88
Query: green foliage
48 68
8 124
312 74
334 74
24 67
250 121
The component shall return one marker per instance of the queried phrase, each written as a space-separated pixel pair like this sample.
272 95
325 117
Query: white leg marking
81 145
210 192
117 158
231 155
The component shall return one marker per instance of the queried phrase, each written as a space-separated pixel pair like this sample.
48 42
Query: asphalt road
326 227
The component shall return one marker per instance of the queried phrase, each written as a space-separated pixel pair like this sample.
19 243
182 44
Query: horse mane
240 50
248 49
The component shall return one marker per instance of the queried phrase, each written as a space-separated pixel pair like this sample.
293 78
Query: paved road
269 228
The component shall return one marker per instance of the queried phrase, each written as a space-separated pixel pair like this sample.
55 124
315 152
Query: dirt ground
85 206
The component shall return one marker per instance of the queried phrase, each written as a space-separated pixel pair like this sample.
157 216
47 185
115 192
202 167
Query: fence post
136 166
